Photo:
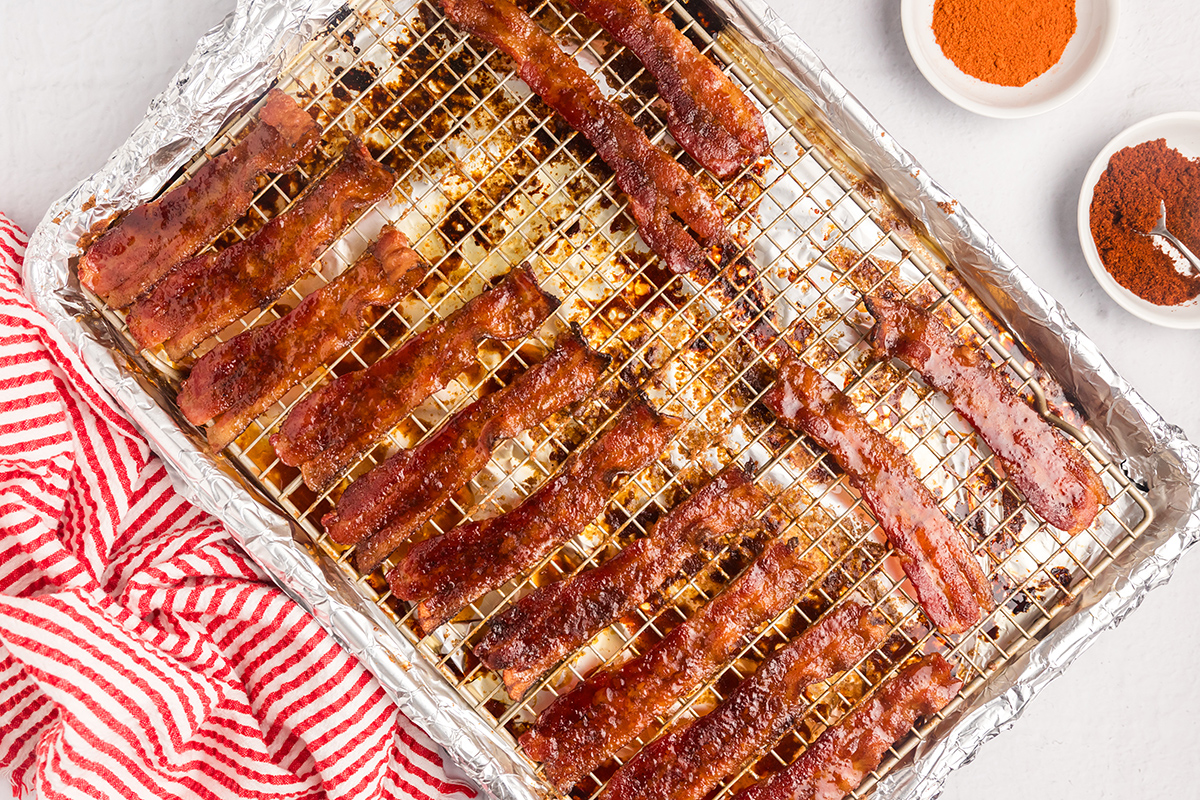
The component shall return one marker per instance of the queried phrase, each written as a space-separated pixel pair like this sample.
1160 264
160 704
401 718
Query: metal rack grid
488 178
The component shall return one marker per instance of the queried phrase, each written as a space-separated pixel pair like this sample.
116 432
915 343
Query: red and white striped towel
142 654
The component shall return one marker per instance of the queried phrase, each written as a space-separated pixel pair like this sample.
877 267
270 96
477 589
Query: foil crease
235 62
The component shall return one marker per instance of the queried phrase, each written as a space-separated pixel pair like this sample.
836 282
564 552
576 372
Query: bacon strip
710 117
583 728
149 241
449 571
838 761
238 380
331 427
535 634
656 184
385 506
950 585
688 763
1055 477
212 290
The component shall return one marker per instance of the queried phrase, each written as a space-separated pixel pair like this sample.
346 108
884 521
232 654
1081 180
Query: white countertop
75 77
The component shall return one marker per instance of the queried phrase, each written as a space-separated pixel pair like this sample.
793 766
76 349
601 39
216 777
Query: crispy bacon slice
688 763
586 726
384 507
449 571
149 241
238 380
326 431
1053 476
838 761
710 117
535 634
211 291
950 585
657 185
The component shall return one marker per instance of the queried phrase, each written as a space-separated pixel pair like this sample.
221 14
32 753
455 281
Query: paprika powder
1127 202
1004 42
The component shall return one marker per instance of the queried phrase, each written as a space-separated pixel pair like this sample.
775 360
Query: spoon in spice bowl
1173 139
1161 230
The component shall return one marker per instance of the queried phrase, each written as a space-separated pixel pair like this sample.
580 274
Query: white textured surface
76 76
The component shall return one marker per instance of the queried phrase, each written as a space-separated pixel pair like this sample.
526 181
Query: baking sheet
234 64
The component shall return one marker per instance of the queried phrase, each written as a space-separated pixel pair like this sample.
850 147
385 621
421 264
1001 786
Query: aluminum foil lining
238 59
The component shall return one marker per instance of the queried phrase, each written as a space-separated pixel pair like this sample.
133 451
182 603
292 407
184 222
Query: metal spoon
1161 230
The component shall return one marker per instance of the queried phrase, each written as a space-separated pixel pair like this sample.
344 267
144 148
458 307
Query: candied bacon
950 584
532 636
713 120
206 293
384 507
1054 477
689 762
155 237
446 572
658 187
841 757
327 430
586 726
238 380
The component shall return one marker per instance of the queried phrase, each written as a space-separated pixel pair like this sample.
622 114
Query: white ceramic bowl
1095 33
1182 131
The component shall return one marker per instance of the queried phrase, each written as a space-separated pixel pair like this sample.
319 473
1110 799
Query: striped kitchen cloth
142 653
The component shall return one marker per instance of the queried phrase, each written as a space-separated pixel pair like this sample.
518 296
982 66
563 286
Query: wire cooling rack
489 177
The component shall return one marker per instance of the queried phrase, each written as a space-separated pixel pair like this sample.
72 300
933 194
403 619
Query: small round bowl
1095 33
1182 131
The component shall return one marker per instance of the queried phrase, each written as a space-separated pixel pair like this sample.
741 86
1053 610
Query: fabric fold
142 653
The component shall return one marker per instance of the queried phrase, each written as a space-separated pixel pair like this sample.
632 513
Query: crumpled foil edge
1126 422
239 58
230 67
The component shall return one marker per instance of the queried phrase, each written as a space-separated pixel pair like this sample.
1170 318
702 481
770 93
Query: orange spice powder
1004 42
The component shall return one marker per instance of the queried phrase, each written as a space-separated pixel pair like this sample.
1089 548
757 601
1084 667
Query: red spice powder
1005 42
1126 204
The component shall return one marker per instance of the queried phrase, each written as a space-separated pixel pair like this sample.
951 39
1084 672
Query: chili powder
1004 42
1126 204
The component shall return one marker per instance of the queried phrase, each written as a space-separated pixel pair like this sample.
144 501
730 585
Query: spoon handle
1183 248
